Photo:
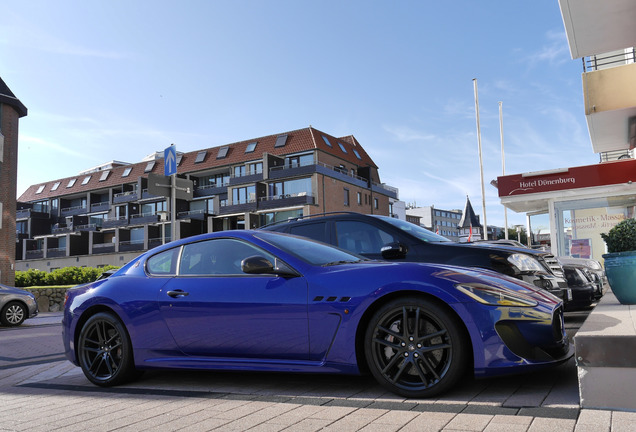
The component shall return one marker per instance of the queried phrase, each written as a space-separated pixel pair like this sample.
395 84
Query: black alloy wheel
13 314
104 351
415 348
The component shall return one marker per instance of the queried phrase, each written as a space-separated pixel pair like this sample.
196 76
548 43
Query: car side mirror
393 251
258 264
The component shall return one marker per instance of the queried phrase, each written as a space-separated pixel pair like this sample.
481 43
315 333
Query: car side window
314 231
164 263
217 257
361 237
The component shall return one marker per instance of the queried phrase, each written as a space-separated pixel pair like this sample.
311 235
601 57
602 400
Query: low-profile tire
423 358
13 314
104 351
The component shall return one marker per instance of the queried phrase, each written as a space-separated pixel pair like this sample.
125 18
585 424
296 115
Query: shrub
63 276
622 237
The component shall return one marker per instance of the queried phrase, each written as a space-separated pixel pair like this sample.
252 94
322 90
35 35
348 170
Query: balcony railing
616 155
605 61
192 214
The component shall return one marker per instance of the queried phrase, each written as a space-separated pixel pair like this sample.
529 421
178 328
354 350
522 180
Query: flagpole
481 164
503 165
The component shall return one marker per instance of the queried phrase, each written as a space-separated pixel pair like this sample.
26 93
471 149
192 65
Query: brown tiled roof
7 97
297 141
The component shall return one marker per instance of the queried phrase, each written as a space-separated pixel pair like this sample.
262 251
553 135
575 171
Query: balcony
292 171
145 195
249 206
145 218
609 104
131 245
35 254
62 230
209 190
73 211
192 214
287 200
116 222
56 252
86 227
124 197
246 179
101 206
30 213
385 190
103 248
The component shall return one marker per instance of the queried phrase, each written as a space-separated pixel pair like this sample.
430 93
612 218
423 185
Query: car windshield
310 251
415 230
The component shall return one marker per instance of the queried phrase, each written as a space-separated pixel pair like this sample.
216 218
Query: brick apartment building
11 110
107 215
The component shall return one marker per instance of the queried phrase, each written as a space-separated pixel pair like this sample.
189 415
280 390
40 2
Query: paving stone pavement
55 396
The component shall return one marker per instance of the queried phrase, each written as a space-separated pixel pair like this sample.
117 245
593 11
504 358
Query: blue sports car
259 300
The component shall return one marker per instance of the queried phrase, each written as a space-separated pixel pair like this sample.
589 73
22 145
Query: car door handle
177 293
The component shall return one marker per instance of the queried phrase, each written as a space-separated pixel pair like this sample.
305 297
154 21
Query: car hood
498 247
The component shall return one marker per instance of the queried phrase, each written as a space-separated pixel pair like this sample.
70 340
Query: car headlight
494 296
525 262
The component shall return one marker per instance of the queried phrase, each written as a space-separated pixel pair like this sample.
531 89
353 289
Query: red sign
604 174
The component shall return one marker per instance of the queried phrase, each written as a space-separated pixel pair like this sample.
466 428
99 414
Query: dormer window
149 166
355 152
344 150
222 154
104 176
126 172
281 141
71 182
200 156
326 141
40 189
251 147
55 186
86 180
179 157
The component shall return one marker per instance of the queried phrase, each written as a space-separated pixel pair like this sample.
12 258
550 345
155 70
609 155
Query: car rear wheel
13 314
415 348
104 351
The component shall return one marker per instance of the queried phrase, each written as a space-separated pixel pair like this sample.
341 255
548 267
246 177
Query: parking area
54 395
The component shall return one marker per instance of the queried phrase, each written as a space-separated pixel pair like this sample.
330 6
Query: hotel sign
604 174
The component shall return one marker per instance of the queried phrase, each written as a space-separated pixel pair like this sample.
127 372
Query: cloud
555 51
407 134
21 34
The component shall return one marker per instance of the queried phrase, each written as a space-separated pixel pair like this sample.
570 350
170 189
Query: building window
375 203
355 152
222 154
346 197
251 147
179 157
326 141
244 195
281 141
86 180
239 171
40 189
297 187
149 166
126 172
299 160
342 147
55 186
255 168
359 198
71 182
201 156
104 176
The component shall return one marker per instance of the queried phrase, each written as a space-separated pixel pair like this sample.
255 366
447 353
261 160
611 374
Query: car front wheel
415 348
13 314
104 351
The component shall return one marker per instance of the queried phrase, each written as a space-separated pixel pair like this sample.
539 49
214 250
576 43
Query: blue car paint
310 332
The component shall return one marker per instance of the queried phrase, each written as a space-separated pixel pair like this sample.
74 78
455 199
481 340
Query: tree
522 236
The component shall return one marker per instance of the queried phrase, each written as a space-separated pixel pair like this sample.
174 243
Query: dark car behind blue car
238 300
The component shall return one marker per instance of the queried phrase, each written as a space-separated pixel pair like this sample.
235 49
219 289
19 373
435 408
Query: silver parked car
16 305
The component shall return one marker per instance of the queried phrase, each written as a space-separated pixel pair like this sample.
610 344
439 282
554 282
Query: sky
121 79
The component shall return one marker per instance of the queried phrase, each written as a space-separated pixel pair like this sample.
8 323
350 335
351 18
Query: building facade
11 110
576 204
111 213
442 222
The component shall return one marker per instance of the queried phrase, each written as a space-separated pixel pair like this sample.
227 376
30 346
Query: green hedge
63 276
